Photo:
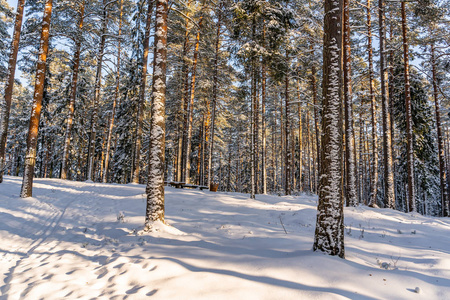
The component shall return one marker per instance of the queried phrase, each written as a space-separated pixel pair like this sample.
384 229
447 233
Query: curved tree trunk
6 105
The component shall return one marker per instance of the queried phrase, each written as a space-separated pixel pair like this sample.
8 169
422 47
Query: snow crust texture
76 240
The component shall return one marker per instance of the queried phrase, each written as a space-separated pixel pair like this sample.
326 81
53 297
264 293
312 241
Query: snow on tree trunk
73 94
98 81
30 156
442 175
116 96
6 105
329 234
140 115
155 185
373 110
348 106
409 125
191 103
389 194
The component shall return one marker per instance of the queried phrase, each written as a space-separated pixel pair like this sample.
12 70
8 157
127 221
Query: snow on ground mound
78 240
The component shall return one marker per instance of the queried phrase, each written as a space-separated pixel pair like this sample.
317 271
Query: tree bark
287 125
30 158
329 234
97 87
409 128
442 175
389 194
6 105
73 94
348 108
140 115
155 185
373 110
116 97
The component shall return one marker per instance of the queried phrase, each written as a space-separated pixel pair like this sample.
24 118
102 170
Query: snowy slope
77 240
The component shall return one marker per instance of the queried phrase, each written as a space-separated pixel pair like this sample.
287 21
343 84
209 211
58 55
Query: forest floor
77 240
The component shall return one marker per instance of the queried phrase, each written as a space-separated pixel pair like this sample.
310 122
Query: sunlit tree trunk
30 156
6 105
329 234
155 185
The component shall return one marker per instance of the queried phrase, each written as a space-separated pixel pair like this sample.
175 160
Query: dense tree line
257 96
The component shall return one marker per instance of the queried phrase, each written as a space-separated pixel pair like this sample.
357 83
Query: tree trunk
191 102
348 108
140 115
329 234
409 128
155 185
6 106
116 97
374 174
73 94
214 99
300 140
98 81
389 194
442 175
316 121
287 125
30 158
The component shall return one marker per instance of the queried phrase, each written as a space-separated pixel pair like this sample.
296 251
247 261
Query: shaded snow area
77 240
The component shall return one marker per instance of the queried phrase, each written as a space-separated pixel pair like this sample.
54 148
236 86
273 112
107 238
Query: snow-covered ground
77 240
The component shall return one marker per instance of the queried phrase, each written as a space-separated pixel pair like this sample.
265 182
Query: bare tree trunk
6 105
287 157
214 100
374 175
30 158
73 93
348 109
155 185
300 140
409 128
140 115
329 234
389 194
116 97
191 103
442 175
98 81
316 122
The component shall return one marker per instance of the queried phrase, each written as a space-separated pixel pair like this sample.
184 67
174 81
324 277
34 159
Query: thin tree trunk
6 105
442 175
73 94
348 109
374 174
140 115
30 158
287 155
389 194
409 128
116 97
191 102
329 234
155 185
300 140
98 80
316 121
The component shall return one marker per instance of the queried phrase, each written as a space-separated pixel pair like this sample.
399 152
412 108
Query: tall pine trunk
329 234
6 105
30 158
389 193
348 107
409 126
116 97
155 185
442 175
73 94
140 115
97 87
373 110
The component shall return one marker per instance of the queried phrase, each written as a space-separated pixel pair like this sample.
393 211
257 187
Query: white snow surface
78 240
